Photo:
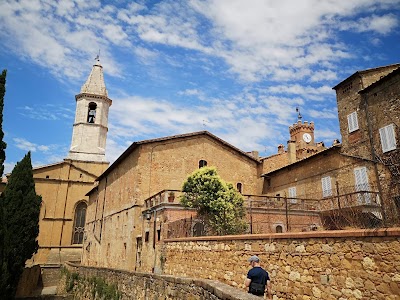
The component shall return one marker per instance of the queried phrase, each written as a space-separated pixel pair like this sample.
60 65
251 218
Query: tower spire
95 82
91 118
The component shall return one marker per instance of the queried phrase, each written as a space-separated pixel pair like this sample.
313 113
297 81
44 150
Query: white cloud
308 92
323 75
26 145
264 39
378 24
47 112
8 167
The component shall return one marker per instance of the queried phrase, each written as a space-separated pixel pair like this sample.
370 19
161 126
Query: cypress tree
3 145
21 208
2 158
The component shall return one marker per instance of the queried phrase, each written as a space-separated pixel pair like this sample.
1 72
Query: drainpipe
65 207
373 154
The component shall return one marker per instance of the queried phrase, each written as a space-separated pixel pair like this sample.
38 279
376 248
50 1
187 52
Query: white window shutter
382 134
292 194
361 179
388 139
352 121
326 186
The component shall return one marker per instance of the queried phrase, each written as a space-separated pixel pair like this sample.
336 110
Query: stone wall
346 264
114 220
118 284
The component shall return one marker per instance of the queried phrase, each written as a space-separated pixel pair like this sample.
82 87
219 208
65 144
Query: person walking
258 280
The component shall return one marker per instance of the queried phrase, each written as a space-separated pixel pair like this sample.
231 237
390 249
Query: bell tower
90 127
302 143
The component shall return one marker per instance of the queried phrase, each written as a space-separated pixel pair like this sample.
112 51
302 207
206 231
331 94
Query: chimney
255 154
291 151
281 149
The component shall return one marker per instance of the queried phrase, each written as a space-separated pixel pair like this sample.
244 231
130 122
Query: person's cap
254 258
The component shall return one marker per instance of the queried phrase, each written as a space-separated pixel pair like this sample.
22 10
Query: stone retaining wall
347 264
134 285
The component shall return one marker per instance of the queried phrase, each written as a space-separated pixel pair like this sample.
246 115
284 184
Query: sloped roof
361 72
134 145
330 149
378 82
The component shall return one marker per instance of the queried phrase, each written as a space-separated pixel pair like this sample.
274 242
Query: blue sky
233 67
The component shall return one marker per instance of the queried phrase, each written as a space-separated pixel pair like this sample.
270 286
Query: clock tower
302 138
91 119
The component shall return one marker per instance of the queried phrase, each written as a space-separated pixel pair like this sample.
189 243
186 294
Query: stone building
305 187
63 185
368 105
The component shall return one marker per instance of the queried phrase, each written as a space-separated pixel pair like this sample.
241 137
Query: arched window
279 229
92 112
239 187
202 163
79 223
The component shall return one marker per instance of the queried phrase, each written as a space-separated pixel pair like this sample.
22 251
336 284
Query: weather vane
98 56
299 117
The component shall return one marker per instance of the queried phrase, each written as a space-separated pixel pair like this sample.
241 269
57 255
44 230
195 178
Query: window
347 88
239 187
202 163
361 185
79 223
326 186
292 194
388 140
158 234
91 112
278 229
352 121
146 236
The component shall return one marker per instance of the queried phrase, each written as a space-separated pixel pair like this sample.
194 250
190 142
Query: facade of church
63 185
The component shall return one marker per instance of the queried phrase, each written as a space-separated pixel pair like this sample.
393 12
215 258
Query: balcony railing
355 199
165 196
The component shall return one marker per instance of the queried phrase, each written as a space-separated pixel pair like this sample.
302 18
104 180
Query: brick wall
348 264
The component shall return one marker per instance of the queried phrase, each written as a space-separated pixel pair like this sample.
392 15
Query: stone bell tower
91 119
302 143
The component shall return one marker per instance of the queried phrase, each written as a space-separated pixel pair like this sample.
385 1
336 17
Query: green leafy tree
217 202
20 222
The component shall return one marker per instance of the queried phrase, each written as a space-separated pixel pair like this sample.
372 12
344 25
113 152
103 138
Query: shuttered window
362 185
326 186
292 194
388 140
352 121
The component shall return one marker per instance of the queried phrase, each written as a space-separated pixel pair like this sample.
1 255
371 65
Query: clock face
307 137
